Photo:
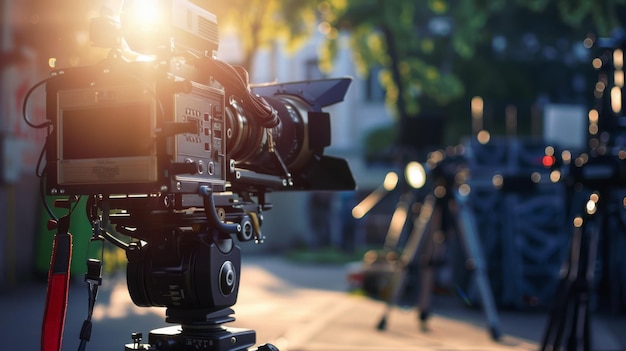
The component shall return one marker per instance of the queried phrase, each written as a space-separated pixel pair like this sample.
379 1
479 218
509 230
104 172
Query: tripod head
184 260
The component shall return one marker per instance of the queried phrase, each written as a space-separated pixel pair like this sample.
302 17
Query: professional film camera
175 150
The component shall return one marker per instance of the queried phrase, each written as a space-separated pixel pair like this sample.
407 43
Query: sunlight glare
415 174
391 181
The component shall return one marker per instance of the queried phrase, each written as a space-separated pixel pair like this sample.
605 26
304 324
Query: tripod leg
395 296
566 308
560 313
428 256
580 336
427 277
469 235
409 252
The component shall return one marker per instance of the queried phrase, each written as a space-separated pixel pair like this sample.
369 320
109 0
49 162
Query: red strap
56 296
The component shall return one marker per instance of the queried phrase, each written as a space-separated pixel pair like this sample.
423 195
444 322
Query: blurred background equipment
596 182
427 221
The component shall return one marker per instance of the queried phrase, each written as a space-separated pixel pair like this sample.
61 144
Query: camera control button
200 167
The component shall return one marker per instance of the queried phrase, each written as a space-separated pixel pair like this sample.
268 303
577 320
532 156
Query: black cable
236 84
25 105
93 278
75 201
39 173
39 170
42 195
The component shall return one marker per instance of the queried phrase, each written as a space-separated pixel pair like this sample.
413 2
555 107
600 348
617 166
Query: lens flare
415 174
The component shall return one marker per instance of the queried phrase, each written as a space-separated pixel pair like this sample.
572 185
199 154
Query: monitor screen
120 130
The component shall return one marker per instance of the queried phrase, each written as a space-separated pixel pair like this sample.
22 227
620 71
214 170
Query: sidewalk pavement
295 307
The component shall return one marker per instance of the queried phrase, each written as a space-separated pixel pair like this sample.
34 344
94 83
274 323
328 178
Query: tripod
569 323
444 209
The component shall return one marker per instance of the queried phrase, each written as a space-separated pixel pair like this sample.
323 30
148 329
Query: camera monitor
105 137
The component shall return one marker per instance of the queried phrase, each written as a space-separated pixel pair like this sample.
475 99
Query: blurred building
20 145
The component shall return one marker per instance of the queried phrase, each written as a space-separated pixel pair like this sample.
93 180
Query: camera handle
213 217
249 227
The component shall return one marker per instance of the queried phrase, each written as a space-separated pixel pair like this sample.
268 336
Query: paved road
296 307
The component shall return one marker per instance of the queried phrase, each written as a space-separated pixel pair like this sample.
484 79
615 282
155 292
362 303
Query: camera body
174 118
132 128
171 127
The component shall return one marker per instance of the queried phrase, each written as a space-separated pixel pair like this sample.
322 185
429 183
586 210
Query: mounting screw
137 337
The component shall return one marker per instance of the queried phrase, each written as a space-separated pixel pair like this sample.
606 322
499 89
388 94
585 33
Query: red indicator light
548 161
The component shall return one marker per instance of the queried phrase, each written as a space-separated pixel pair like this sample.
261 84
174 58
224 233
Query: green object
80 228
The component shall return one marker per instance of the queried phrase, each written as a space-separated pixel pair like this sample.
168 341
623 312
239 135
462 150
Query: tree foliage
435 52
415 42
393 35
261 23
604 14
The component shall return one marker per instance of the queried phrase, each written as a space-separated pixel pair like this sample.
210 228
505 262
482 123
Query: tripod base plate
215 339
